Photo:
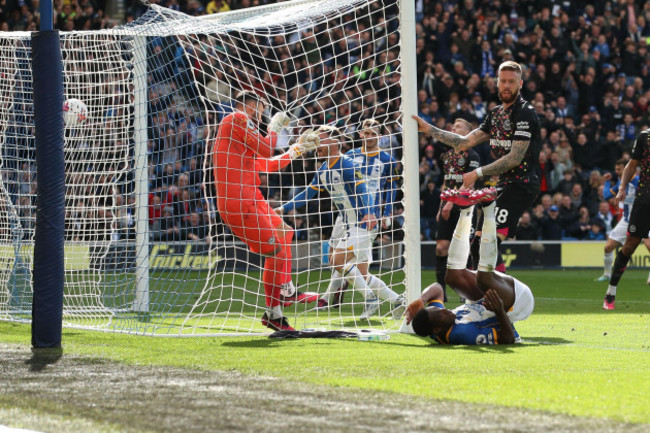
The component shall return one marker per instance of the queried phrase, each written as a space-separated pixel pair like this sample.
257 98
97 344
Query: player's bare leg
343 262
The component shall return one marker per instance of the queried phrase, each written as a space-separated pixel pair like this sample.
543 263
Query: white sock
488 250
380 288
274 313
334 285
459 246
608 263
353 275
611 290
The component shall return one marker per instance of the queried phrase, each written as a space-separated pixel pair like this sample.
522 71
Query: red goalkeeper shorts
254 222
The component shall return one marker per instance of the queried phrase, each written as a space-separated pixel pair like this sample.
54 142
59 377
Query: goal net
146 249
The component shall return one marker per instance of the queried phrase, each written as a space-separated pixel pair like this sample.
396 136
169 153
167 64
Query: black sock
500 262
441 272
474 253
620 264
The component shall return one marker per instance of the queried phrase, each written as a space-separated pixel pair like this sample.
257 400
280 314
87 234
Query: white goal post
146 250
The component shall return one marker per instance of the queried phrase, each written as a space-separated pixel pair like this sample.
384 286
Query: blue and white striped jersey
381 174
474 324
347 188
611 191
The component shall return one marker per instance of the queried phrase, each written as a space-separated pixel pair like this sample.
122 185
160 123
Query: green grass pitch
576 359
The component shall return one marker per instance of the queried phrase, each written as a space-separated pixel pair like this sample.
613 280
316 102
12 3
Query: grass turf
577 359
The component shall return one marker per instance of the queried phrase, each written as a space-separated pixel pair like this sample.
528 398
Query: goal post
48 270
146 250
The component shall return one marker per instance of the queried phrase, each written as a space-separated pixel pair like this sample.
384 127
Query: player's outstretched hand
412 310
493 301
423 126
307 142
279 120
279 210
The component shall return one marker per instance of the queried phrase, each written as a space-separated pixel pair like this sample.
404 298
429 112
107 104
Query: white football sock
353 275
334 285
459 246
488 250
608 262
274 313
611 290
380 288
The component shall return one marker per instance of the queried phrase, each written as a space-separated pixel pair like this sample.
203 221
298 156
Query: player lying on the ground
342 179
240 152
494 301
379 170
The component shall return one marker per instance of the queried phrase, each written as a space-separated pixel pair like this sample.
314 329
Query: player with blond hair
343 179
513 131
380 170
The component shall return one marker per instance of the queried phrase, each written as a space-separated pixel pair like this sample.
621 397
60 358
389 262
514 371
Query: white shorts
619 232
355 240
524 303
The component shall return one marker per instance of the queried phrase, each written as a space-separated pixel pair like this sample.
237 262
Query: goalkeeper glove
307 142
278 121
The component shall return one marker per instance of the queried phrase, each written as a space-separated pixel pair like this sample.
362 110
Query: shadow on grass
542 341
42 357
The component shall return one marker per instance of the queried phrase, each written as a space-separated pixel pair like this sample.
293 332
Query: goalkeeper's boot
608 303
339 295
398 307
279 324
465 198
299 298
370 308
603 278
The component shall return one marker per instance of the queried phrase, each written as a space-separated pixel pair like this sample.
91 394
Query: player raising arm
343 180
379 169
514 134
239 153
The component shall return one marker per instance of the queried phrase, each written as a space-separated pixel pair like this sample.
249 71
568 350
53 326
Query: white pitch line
591 300
5 429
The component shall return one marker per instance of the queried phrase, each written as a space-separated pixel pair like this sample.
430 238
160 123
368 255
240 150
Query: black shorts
512 201
446 227
639 224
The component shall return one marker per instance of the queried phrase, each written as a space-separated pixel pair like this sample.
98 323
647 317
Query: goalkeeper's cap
246 96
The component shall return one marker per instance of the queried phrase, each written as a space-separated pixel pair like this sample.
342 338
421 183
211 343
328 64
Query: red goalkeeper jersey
240 153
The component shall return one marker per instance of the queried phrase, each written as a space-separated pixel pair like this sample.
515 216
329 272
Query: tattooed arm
457 142
501 165
508 161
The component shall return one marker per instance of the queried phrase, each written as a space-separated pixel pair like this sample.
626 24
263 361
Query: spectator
526 230
551 228
429 205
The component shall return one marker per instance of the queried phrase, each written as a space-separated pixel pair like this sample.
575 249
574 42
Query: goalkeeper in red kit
240 153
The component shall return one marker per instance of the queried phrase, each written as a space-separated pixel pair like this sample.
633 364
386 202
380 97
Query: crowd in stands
586 71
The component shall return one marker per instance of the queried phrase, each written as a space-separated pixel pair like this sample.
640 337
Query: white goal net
147 250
